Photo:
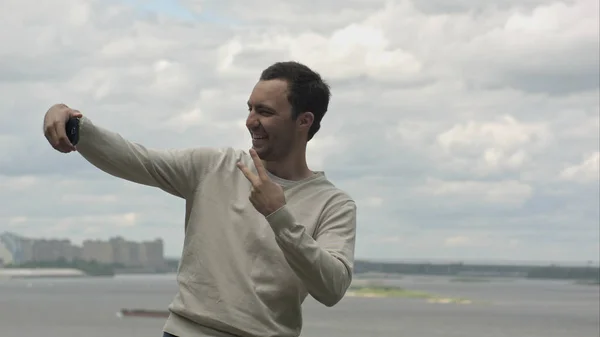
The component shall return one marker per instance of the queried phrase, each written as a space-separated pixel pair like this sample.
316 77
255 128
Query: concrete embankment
12 273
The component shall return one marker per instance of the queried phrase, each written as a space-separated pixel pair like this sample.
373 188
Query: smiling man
262 230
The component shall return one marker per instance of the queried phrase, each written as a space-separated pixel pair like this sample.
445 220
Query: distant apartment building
99 251
17 249
154 253
52 250
5 255
24 249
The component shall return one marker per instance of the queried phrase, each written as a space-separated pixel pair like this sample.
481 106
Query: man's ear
306 119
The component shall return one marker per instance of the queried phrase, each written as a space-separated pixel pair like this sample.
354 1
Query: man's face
270 120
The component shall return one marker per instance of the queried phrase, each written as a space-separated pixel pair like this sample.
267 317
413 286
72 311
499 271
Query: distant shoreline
462 270
90 268
28 273
459 272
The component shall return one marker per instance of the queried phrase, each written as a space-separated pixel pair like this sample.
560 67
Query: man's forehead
270 90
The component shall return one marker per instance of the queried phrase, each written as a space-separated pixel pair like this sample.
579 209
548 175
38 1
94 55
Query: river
502 308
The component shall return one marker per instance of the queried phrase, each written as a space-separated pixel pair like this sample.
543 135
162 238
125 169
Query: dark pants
166 334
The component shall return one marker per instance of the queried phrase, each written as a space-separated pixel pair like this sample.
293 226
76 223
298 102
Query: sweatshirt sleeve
324 264
176 171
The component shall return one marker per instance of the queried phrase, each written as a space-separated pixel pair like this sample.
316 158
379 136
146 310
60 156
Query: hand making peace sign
266 196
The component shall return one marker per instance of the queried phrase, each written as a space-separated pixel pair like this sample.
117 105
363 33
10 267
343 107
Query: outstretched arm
175 171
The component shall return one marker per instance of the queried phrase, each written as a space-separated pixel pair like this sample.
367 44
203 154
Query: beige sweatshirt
241 273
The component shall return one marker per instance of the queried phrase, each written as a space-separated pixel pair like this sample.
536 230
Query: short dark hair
307 91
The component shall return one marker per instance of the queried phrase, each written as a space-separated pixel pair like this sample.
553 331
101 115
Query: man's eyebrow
261 106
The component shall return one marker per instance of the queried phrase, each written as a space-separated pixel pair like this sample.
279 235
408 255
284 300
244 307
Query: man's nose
252 121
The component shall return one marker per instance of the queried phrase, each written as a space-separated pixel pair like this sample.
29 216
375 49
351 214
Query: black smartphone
72 129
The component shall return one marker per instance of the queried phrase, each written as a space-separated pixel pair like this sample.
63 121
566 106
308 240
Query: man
262 231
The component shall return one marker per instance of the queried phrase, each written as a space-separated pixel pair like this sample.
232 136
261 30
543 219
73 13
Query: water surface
87 307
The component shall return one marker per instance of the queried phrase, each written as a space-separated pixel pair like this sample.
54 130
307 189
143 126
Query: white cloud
388 240
471 124
473 192
16 221
585 172
18 183
493 146
480 241
89 198
455 241
372 202
507 134
125 220
355 50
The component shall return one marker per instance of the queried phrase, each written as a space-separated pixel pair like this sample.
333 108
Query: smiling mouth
256 137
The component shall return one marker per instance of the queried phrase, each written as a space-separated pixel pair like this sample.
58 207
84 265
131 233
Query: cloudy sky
464 129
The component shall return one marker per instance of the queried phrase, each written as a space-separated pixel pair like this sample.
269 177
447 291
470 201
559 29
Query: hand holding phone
61 127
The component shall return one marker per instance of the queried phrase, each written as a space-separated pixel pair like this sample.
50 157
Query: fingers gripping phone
72 129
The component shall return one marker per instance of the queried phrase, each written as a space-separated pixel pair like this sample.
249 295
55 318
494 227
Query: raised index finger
260 168
254 180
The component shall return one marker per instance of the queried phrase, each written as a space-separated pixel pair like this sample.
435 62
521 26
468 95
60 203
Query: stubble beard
275 150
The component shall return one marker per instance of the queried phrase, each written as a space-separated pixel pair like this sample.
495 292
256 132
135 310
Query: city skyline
18 249
425 259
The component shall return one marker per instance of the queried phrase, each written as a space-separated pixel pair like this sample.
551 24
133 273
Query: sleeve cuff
281 219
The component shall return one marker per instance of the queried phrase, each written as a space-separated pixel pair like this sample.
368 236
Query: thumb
76 114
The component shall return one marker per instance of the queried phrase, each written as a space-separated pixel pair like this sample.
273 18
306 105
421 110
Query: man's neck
294 168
